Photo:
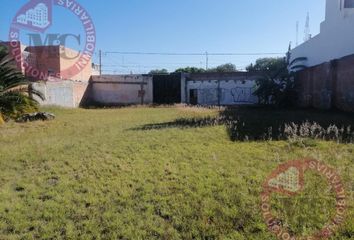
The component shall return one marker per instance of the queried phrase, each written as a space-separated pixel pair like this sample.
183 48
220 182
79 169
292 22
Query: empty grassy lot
100 174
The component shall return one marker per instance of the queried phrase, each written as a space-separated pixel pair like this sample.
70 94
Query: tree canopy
228 67
190 70
275 85
159 71
269 66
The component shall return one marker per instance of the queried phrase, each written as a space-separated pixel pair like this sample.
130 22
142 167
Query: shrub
15 90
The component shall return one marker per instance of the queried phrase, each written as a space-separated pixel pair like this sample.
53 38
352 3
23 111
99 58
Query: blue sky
183 26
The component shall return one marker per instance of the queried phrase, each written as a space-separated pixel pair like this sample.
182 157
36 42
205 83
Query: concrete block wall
344 87
121 89
329 85
62 93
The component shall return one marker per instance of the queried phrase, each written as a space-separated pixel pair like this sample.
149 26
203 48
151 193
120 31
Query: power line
112 65
194 54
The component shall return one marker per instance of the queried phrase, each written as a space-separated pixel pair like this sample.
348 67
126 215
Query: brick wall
329 85
53 60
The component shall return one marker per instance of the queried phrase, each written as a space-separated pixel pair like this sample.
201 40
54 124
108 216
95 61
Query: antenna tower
307 28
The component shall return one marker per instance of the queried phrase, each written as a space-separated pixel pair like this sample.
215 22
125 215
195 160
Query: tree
16 92
228 67
190 70
275 85
158 72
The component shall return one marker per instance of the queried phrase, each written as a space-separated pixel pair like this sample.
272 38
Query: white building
220 89
335 40
232 92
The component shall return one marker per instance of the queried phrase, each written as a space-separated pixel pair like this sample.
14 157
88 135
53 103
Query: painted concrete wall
235 88
122 89
335 39
62 93
231 92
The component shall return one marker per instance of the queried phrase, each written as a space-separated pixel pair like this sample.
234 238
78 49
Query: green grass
97 174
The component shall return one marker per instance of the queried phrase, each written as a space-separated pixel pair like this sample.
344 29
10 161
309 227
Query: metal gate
167 89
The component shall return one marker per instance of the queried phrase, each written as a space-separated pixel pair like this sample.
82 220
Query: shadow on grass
256 123
259 124
183 123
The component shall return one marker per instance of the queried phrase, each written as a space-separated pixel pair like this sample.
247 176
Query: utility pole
142 93
100 56
219 94
297 33
206 61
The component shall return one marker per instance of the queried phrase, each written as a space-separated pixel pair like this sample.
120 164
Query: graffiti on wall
242 94
209 96
225 92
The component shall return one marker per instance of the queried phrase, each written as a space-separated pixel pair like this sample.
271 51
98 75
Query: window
50 72
348 3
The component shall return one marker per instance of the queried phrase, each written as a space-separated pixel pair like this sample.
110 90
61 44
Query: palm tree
16 92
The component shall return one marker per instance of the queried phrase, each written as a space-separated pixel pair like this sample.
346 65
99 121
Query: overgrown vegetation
276 85
262 124
99 174
15 90
266 124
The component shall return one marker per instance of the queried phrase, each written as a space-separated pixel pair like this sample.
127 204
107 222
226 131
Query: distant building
96 69
234 88
334 41
50 62
208 89
53 61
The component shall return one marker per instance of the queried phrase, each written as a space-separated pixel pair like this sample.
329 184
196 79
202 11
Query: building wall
329 85
221 88
69 57
47 62
62 93
52 61
335 39
122 89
